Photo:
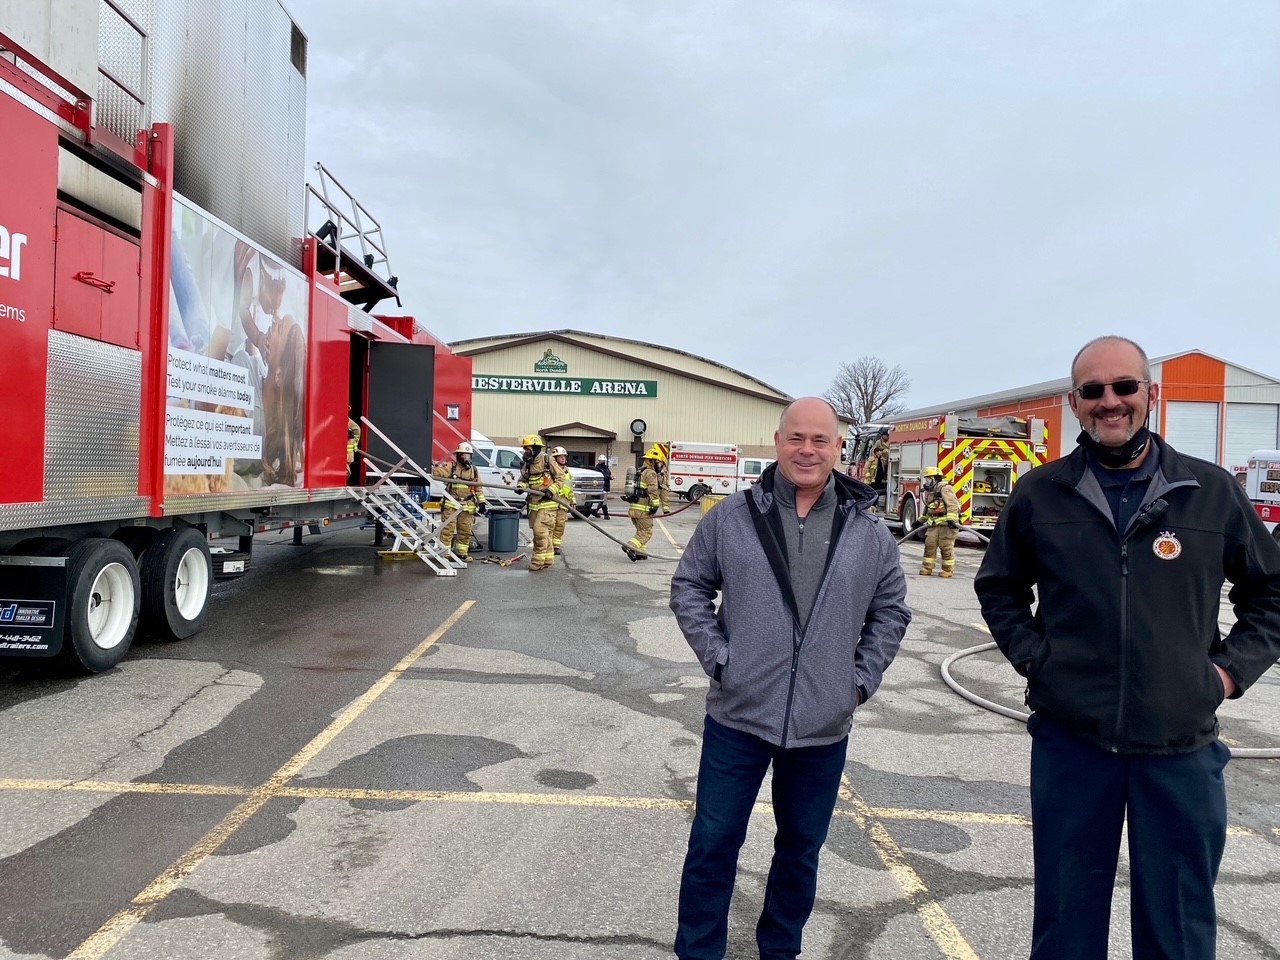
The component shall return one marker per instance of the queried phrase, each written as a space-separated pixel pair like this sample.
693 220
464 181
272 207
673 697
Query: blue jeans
806 781
1176 807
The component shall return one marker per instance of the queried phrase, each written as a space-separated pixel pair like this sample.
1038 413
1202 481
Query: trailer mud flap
33 606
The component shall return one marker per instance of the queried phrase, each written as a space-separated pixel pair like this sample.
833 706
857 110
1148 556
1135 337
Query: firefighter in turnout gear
540 476
942 517
646 500
565 492
877 470
353 440
458 478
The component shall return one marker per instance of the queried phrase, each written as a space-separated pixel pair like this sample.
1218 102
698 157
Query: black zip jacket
1121 648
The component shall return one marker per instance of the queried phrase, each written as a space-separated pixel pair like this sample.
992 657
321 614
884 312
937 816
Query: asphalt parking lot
355 759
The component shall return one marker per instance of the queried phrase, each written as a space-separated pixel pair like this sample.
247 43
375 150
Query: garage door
1250 427
1192 428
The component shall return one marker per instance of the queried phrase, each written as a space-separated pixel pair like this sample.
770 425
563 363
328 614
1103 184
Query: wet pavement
355 759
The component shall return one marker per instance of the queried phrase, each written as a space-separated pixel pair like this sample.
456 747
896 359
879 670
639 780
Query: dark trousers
805 783
1176 808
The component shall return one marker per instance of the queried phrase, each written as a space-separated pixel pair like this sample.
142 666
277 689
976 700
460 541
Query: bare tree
868 389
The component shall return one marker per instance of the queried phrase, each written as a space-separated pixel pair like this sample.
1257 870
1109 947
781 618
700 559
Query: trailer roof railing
353 240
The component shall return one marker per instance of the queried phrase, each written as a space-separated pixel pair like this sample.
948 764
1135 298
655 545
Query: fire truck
982 459
185 325
1262 484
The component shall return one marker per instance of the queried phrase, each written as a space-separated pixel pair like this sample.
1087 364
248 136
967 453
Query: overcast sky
967 188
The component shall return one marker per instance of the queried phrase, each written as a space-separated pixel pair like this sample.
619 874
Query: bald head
1110 341
809 406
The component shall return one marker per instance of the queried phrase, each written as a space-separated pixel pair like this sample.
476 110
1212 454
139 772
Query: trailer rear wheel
102 603
176 575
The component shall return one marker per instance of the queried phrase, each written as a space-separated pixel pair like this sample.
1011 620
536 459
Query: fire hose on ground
1250 753
1241 753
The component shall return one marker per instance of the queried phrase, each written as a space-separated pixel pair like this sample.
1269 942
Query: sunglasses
1121 388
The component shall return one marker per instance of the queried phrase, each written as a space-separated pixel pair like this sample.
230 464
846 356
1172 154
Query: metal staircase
415 530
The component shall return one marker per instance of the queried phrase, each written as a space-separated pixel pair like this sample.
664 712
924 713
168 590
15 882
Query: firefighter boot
926 570
946 574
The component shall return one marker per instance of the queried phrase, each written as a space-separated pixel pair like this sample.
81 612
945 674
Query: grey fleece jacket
790 685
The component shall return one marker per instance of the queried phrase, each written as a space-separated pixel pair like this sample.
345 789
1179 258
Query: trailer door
401 388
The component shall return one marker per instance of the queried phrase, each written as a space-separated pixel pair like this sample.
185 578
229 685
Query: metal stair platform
415 530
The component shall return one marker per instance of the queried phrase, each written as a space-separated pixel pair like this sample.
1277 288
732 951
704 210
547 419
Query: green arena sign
578 386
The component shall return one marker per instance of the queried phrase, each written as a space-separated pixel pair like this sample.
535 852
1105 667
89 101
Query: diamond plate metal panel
91 423
33 516
221 74
120 51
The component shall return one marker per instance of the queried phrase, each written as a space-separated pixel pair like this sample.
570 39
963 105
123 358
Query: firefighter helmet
655 453
559 452
464 447
931 472
531 440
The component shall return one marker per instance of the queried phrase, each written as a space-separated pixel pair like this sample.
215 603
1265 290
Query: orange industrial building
1209 408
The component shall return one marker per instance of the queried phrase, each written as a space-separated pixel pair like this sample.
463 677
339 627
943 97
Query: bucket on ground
504 529
707 501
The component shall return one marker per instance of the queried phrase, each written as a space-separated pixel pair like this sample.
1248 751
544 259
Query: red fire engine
184 331
982 459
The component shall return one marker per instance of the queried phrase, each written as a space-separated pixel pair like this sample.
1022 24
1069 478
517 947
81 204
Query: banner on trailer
237 364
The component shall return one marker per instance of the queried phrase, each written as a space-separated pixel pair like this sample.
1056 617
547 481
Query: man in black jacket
1128 544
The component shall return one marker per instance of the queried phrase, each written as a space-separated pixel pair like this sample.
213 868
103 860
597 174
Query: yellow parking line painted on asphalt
495 799
483 798
937 923
119 926
667 533
124 786
982 627
947 816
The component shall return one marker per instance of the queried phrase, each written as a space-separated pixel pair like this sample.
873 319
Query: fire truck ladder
415 530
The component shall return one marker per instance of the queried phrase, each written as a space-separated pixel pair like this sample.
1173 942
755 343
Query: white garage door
1250 427
1192 428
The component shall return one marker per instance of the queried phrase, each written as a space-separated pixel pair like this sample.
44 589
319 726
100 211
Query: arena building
1209 408
595 394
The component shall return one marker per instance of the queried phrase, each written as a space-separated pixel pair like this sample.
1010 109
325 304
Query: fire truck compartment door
401 387
96 287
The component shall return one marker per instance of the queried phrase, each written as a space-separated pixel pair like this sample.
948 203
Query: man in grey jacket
813 609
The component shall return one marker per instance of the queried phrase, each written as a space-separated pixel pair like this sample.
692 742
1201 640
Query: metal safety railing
339 221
